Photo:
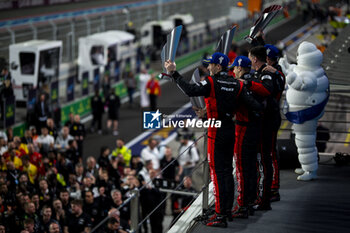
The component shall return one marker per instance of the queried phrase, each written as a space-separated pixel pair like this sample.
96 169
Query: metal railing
136 224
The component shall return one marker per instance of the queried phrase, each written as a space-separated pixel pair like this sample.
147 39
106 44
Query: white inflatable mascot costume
307 95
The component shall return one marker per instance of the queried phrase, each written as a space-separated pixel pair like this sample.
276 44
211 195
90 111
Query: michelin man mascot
306 97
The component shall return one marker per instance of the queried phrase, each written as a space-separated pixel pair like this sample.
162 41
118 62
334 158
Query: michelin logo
152 120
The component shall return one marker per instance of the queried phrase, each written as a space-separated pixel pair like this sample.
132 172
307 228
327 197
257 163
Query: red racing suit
247 137
222 94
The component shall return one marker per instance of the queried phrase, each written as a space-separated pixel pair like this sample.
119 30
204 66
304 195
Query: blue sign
152 120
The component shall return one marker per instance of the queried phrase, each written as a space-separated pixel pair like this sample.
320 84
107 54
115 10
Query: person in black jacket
42 112
77 130
113 103
222 94
279 82
97 111
264 86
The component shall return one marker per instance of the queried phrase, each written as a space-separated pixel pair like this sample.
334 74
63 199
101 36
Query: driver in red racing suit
222 94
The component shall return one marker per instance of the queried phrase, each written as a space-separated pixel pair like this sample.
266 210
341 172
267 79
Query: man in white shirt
188 156
45 141
145 176
63 139
151 152
144 99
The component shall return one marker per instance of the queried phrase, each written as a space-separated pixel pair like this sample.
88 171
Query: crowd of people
45 186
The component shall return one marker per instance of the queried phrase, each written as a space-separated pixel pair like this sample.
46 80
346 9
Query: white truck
34 64
112 51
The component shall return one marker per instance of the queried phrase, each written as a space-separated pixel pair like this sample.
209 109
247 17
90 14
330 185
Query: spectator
130 83
28 137
42 111
144 174
153 90
144 98
58 212
77 130
70 121
34 134
54 228
181 202
46 219
9 133
113 226
24 186
117 202
45 194
115 214
45 141
64 166
103 160
92 167
63 138
21 148
30 168
113 103
182 132
151 152
29 213
29 225
89 184
79 171
79 221
122 152
52 128
160 146
106 86
103 201
97 111
113 172
174 170
12 176
91 207
12 155
6 91
73 153
73 187
65 199
150 199
103 180
188 155
136 163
